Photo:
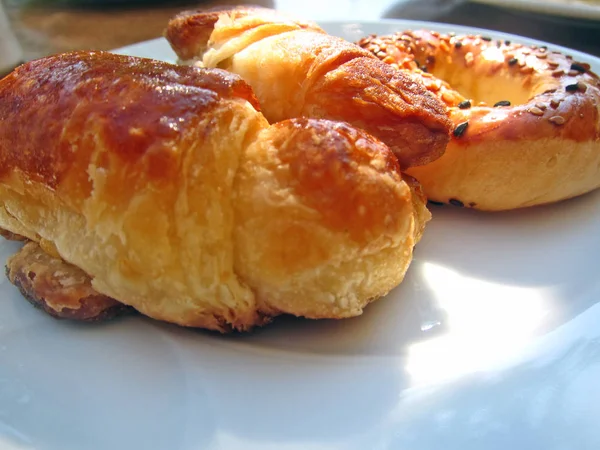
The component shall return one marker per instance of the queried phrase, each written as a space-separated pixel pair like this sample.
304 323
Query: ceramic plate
576 9
492 342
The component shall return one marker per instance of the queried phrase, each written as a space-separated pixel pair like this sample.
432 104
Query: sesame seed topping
541 106
542 55
536 111
507 42
423 68
465 104
447 97
502 103
486 38
581 86
578 67
571 87
558 73
554 103
469 59
458 44
557 120
456 202
553 64
573 73
433 202
460 129
512 61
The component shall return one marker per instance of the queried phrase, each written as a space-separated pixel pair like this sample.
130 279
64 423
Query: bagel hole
489 80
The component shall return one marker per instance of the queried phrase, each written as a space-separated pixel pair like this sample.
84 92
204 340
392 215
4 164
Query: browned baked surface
61 289
526 119
169 189
297 70
132 116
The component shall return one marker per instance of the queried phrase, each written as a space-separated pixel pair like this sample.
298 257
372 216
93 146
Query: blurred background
42 27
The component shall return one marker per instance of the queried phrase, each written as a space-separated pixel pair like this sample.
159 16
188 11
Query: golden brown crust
385 102
136 117
61 289
167 187
320 198
333 169
301 71
552 116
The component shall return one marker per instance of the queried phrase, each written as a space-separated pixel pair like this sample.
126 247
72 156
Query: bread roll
169 189
297 70
527 119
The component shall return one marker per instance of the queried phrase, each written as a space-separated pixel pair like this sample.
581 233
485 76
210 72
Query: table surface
44 27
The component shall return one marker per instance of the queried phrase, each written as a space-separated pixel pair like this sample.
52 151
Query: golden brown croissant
296 70
168 188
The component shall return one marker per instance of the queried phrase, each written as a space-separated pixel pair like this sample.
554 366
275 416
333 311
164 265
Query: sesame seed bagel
526 119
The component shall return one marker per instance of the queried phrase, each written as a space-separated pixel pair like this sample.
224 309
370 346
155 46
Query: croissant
163 187
296 70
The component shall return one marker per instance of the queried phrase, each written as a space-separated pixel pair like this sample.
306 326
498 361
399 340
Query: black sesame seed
458 44
433 202
502 103
544 47
512 61
456 202
578 67
507 42
486 38
499 44
571 87
424 68
465 104
460 129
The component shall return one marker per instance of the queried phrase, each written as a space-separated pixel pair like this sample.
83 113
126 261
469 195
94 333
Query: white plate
576 9
514 365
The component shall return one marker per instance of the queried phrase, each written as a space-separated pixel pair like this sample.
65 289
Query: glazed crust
169 189
297 70
542 147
